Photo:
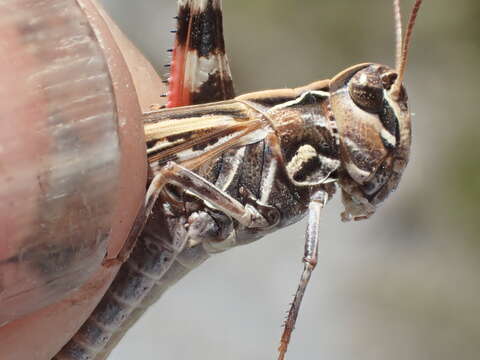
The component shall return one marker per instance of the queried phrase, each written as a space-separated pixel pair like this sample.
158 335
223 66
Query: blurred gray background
404 284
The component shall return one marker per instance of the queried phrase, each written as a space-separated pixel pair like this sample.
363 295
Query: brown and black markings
352 131
200 72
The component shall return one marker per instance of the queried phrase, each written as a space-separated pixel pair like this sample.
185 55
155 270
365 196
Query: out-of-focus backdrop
404 284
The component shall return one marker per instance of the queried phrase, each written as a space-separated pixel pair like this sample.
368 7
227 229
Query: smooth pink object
72 166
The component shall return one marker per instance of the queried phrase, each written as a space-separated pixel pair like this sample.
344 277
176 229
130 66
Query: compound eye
366 91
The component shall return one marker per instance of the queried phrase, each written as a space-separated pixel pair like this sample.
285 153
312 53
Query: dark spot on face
389 121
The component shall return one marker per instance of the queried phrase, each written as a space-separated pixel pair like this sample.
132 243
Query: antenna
397 15
401 61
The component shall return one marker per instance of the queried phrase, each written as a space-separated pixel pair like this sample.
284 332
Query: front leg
248 215
317 203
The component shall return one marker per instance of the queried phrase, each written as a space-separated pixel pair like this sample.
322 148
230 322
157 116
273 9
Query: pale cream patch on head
363 80
388 138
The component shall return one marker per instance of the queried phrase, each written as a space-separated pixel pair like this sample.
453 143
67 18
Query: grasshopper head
370 107
375 134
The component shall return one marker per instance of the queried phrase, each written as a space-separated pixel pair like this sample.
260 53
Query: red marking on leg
178 95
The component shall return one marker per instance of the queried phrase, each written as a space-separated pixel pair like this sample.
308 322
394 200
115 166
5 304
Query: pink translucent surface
59 155
72 168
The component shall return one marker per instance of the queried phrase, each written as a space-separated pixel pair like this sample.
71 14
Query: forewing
200 132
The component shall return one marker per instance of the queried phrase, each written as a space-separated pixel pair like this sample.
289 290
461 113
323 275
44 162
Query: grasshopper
226 173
